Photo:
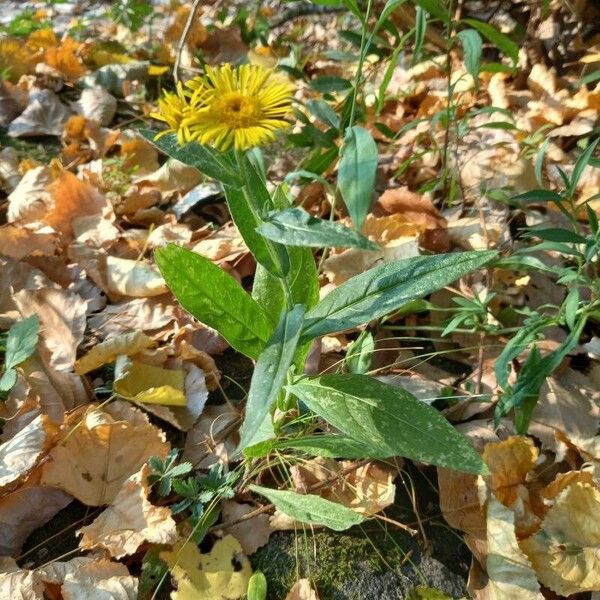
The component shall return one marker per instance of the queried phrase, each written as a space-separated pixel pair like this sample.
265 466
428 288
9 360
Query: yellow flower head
171 109
241 107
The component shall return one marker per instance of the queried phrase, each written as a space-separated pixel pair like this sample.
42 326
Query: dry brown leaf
32 198
20 454
222 574
99 448
253 533
302 590
62 316
9 107
9 166
213 438
64 59
25 510
20 241
107 351
172 178
18 584
45 115
129 521
564 552
133 278
510 573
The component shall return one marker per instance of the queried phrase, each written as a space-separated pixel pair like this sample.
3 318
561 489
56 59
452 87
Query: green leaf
537 196
386 288
329 83
557 234
580 165
471 43
214 298
360 353
356 173
270 374
501 41
435 8
326 445
323 112
311 509
387 420
8 380
269 292
21 341
211 162
296 227
257 587
420 29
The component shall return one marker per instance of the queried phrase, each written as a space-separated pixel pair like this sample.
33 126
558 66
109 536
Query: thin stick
182 40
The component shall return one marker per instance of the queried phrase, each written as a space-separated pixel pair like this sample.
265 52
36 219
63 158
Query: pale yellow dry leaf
562 481
45 115
510 573
129 521
62 316
99 448
564 552
253 533
211 576
172 178
97 104
21 453
19 584
149 384
107 351
188 352
133 278
95 230
302 590
32 198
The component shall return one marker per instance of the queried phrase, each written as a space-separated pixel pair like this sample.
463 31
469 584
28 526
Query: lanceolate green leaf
21 341
308 508
356 173
208 161
270 374
296 227
501 41
387 287
387 420
471 43
214 298
270 255
268 290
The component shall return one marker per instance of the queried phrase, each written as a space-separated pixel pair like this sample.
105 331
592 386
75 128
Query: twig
182 40
305 9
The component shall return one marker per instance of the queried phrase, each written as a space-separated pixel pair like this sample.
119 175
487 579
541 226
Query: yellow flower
241 107
171 109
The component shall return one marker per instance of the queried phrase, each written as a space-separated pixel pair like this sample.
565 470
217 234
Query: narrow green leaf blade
270 374
388 420
356 173
471 43
214 298
21 341
386 288
207 160
296 227
501 41
308 508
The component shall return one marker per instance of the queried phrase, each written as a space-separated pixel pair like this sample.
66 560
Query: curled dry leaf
9 166
45 115
302 590
20 241
174 177
510 573
222 574
253 533
107 351
19 584
32 198
99 448
21 453
129 521
133 278
564 552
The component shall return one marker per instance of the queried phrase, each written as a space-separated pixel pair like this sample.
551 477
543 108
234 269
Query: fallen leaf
9 107
510 572
133 278
45 115
222 574
129 521
19 584
149 384
20 241
564 552
302 590
113 77
107 351
172 178
20 454
97 104
32 198
253 533
99 448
